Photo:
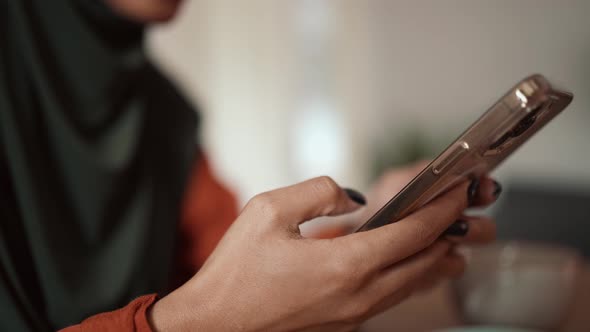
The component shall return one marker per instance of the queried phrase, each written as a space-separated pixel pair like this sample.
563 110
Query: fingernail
459 228
356 196
497 189
472 191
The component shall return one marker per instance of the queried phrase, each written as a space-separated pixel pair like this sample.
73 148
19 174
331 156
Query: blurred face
145 11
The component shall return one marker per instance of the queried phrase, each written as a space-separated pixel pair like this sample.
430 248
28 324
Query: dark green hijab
95 149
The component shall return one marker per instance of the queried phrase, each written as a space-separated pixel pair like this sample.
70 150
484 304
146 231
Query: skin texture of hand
264 276
481 230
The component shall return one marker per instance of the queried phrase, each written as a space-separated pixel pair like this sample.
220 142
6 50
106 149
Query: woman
106 199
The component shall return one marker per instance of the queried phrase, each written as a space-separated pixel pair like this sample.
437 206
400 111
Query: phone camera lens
517 130
522 126
527 122
500 141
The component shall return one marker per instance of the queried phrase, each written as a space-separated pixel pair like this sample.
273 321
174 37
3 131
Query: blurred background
294 89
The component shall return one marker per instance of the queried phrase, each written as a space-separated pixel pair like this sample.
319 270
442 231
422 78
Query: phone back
510 122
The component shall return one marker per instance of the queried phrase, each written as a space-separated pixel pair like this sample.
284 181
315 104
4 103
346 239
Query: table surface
434 310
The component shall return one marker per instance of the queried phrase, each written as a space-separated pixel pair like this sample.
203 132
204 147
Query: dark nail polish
497 189
356 196
459 228
472 191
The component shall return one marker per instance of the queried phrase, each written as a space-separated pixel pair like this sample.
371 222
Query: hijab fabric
95 149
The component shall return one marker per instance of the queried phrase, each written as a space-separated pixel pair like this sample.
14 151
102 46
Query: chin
146 11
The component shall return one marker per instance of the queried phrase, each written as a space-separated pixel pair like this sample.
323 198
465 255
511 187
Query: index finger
295 204
386 245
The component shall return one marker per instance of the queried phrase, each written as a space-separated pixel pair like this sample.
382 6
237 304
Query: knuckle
265 205
344 275
325 185
357 257
341 268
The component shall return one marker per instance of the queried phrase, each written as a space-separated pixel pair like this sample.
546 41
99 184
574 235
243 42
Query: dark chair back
542 213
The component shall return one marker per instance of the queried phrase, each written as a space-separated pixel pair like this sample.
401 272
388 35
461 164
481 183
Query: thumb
304 201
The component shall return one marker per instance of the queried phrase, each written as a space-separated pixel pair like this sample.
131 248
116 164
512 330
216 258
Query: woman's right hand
264 276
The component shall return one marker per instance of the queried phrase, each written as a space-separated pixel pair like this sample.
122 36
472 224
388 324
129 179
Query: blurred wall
381 66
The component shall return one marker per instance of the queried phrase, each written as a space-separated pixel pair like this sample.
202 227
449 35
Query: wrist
186 309
172 313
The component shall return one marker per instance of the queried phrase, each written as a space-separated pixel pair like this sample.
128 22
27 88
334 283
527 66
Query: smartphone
510 122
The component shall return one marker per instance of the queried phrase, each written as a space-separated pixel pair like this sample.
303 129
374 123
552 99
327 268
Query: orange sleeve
208 209
207 212
132 317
